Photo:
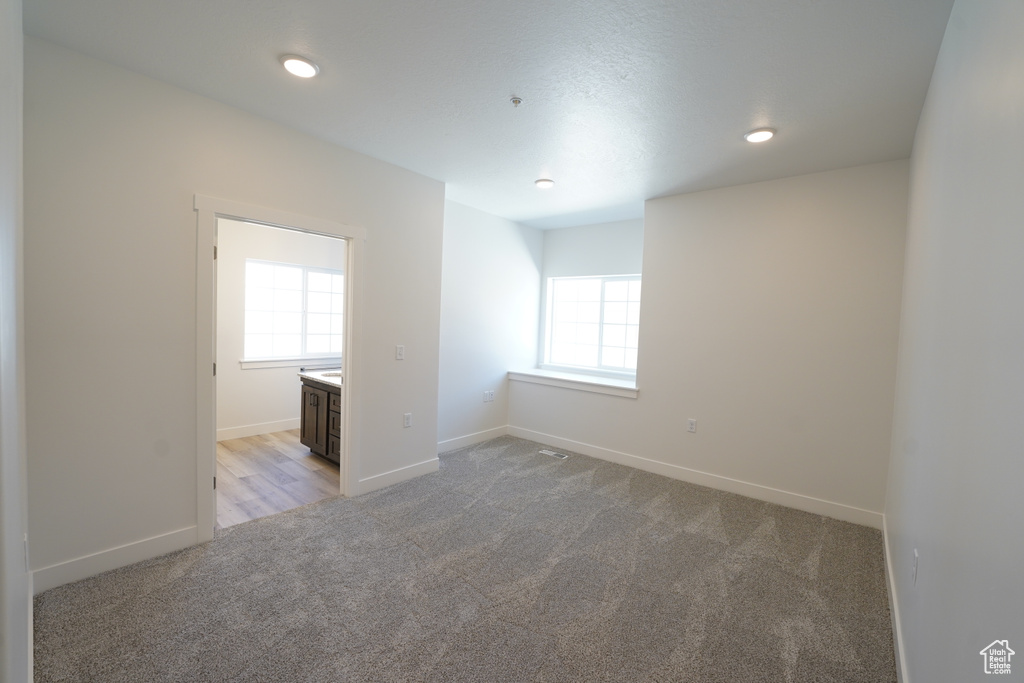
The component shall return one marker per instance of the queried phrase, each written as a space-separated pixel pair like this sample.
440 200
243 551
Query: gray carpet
506 565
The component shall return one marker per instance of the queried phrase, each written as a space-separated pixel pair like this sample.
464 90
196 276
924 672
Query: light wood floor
270 473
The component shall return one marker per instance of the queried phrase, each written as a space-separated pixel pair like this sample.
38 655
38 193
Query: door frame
208 211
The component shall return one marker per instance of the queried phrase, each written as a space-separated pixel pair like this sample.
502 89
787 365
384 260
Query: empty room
616 341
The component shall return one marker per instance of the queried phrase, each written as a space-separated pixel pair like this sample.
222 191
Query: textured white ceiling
622 101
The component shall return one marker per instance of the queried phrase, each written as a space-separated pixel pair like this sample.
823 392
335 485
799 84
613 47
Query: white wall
603 249
770 315
258 400
112 161
489 313
957 467
15 581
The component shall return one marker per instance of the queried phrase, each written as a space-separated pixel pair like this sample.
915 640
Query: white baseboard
257 429
894 607
470 439
31 635
380 481
798 501
105 560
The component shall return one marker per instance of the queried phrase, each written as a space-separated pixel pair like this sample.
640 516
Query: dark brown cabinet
320 419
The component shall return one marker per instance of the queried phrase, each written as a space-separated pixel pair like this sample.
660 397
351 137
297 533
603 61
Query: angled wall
957 464
489 313
112 162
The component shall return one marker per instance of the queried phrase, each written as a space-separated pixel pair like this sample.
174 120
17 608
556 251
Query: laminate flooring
269 473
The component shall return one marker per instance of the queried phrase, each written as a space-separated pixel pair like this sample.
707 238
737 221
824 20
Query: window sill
310 363
569 380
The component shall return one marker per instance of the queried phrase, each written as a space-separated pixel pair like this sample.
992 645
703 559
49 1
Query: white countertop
326 376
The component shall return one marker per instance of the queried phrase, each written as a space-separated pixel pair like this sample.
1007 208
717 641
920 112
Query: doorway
253 342
280 316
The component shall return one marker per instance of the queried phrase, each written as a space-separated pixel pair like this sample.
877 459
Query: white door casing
208 210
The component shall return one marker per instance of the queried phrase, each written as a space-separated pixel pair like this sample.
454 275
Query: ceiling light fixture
544 183
760 135
300 66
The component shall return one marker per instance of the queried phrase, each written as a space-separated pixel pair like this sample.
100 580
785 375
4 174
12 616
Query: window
594 323
292 311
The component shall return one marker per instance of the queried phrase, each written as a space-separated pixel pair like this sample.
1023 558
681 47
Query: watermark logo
997 657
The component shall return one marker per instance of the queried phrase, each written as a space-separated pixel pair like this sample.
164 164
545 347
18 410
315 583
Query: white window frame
597 371
310 360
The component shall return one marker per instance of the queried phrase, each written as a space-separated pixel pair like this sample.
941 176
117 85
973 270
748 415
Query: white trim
305 363
257 429
470 439
894 607
379 481
798 501
112 558
208 211
225 208
568 380
206 356
628 378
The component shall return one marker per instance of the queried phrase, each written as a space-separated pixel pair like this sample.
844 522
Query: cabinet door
333 449
313 420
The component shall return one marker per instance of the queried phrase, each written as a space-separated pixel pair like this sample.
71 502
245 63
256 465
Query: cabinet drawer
335 403
334 423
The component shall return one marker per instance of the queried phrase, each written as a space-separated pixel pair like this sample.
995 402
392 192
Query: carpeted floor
506 565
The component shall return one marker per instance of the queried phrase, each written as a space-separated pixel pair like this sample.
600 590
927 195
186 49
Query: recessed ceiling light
544 183
300 66
760 135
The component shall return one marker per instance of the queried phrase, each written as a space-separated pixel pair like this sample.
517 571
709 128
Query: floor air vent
560 456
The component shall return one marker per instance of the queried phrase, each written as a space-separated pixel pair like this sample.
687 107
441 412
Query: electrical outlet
490 396
400 352
691 425
915 567
407 421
